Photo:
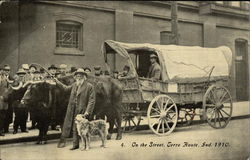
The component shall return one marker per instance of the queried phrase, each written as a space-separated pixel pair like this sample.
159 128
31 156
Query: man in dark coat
9 112
3 100
155 69
81 101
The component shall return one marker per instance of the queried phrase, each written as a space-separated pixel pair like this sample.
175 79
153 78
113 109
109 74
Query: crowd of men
32 73
29 73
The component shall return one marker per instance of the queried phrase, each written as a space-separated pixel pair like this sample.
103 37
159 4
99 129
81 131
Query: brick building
72 32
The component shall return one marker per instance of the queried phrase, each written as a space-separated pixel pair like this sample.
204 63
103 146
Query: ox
108 102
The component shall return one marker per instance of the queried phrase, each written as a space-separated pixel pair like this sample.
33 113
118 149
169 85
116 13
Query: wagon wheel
185 116
217 106
130 120
162 115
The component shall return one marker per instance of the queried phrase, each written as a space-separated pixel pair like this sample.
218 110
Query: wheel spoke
225 112
152 125
162 125
172 116
170 107
155 116
229 99
218 118
222 97
166 123
214 95
212 114
165 106
158 105
158 127
156 110
215 118
222 116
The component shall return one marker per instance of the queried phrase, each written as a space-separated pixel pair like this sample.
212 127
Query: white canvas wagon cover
180 62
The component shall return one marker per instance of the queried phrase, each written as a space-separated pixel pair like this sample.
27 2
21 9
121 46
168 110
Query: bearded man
81 101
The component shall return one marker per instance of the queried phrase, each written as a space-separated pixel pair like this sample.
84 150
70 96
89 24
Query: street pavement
239 109
233 143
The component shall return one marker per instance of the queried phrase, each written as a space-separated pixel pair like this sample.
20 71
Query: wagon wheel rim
217 106
162 115
130 121
188 117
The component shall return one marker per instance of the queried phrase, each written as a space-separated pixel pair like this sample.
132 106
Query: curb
57 135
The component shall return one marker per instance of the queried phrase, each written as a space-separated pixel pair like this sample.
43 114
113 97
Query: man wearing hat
3 104
20 110
82 101
9 112
52 69
62 70
25 67
97 70
155 69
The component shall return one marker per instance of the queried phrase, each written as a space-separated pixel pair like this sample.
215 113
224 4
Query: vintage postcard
124 80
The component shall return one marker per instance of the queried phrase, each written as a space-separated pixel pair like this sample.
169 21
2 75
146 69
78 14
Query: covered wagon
191 78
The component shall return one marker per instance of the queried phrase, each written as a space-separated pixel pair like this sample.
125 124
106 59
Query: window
68 34
69 37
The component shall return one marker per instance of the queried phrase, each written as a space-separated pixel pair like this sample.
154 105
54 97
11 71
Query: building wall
34 40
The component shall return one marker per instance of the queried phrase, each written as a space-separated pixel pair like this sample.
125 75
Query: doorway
241 69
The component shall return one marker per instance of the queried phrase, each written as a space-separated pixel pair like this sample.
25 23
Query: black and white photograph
124 80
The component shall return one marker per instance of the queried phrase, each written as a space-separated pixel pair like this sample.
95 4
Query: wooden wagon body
192 77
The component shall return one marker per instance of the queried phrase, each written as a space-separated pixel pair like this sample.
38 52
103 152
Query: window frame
71 19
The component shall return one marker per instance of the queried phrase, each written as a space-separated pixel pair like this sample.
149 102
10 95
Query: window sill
68 51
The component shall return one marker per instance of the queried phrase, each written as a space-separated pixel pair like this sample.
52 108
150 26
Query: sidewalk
240 110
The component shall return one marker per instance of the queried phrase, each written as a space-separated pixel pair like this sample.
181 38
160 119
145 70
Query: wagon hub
163 114
218 105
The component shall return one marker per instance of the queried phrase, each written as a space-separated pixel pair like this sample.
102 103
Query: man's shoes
74 148
1 134
61 143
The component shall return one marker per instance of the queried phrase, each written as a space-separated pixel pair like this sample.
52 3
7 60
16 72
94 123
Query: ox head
37 91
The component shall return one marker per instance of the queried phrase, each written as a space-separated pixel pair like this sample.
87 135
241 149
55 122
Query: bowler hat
153 56
87 68
80 71
32 66
52 67
97 67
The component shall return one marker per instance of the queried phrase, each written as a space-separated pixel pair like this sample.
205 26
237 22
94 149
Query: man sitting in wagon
154 69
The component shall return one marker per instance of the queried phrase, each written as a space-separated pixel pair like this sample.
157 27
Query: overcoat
81 100
3 93
154 71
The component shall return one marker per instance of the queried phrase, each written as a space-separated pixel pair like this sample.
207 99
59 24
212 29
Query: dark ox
108 103
39 97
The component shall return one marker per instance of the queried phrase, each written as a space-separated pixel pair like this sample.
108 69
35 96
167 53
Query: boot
61 143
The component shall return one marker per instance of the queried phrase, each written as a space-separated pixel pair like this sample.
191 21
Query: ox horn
50 82
17 87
